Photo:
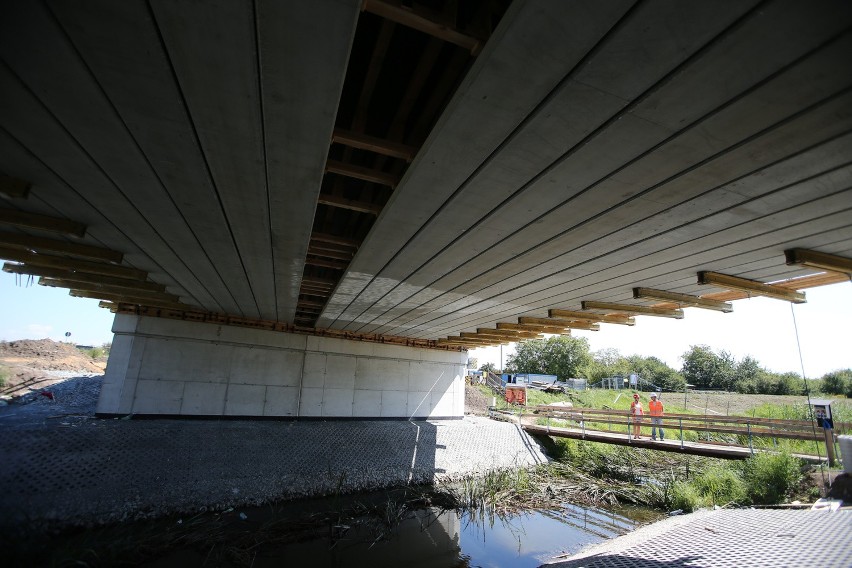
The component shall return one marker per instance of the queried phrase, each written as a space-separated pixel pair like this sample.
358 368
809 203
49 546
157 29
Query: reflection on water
536 537
382 534
429 538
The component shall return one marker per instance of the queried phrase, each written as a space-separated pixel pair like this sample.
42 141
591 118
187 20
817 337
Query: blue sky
759 327
39 312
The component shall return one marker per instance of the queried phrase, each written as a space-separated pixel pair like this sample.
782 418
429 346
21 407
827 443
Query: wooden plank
330 253
107 289
606 318
682 299
750 286
693 448
337 265
335 239
816 259
44 245
14 188
373 144
18 218
797 284
362 173
319 281
430 24
343 203
509 333
20 255
82 277
538 329
128 299
559 323
627 308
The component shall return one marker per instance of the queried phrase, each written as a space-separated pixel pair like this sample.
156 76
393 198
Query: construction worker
636 414
655 409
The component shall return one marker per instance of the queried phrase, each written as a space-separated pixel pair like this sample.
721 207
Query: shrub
720 485
683 496
769 478
4 375
96 352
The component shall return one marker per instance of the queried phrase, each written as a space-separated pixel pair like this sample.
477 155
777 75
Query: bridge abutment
170 367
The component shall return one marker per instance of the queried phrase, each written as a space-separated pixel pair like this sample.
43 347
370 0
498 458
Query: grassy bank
602 475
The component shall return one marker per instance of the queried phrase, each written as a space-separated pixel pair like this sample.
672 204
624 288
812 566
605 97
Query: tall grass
4 376
675 481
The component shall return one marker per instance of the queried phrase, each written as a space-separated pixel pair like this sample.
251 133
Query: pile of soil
33 364
475 401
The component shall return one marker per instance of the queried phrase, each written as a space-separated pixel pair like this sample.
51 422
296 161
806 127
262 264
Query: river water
435 539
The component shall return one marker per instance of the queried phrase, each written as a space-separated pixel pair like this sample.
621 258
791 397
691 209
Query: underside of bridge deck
405 172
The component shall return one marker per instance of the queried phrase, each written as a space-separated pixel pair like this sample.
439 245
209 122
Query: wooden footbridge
729 437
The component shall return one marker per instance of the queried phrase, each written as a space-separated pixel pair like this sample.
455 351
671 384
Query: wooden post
829 445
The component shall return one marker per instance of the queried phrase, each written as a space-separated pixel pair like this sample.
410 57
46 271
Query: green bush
720 485
97 352
683 496
769 478
4 375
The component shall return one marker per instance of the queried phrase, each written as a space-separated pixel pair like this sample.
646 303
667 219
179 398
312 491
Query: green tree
652 370
747 373
565 357
705 369
837 382
606 363
488 368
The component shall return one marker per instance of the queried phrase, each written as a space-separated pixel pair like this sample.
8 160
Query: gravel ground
63 466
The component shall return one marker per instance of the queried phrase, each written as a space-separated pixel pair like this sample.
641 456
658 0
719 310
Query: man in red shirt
655 409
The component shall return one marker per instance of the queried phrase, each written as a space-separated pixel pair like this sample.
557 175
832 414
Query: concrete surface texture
172 367
62 465
729 538
592 147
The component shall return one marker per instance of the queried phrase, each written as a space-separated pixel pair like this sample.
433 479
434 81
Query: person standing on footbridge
655 409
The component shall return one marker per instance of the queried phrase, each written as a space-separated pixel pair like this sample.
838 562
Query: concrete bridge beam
179 368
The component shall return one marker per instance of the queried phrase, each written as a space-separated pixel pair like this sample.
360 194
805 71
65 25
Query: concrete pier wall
171 367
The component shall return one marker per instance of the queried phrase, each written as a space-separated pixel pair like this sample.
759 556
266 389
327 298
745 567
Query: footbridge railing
615 426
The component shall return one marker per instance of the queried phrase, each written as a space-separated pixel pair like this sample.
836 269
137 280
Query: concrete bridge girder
170 367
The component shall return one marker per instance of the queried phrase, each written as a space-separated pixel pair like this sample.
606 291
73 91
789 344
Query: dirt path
34 364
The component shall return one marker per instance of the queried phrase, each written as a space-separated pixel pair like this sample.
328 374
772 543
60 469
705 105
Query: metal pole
750 447
583 422
628 430
681 432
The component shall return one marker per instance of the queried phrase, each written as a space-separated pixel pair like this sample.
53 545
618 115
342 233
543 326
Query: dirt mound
475 401
33 364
